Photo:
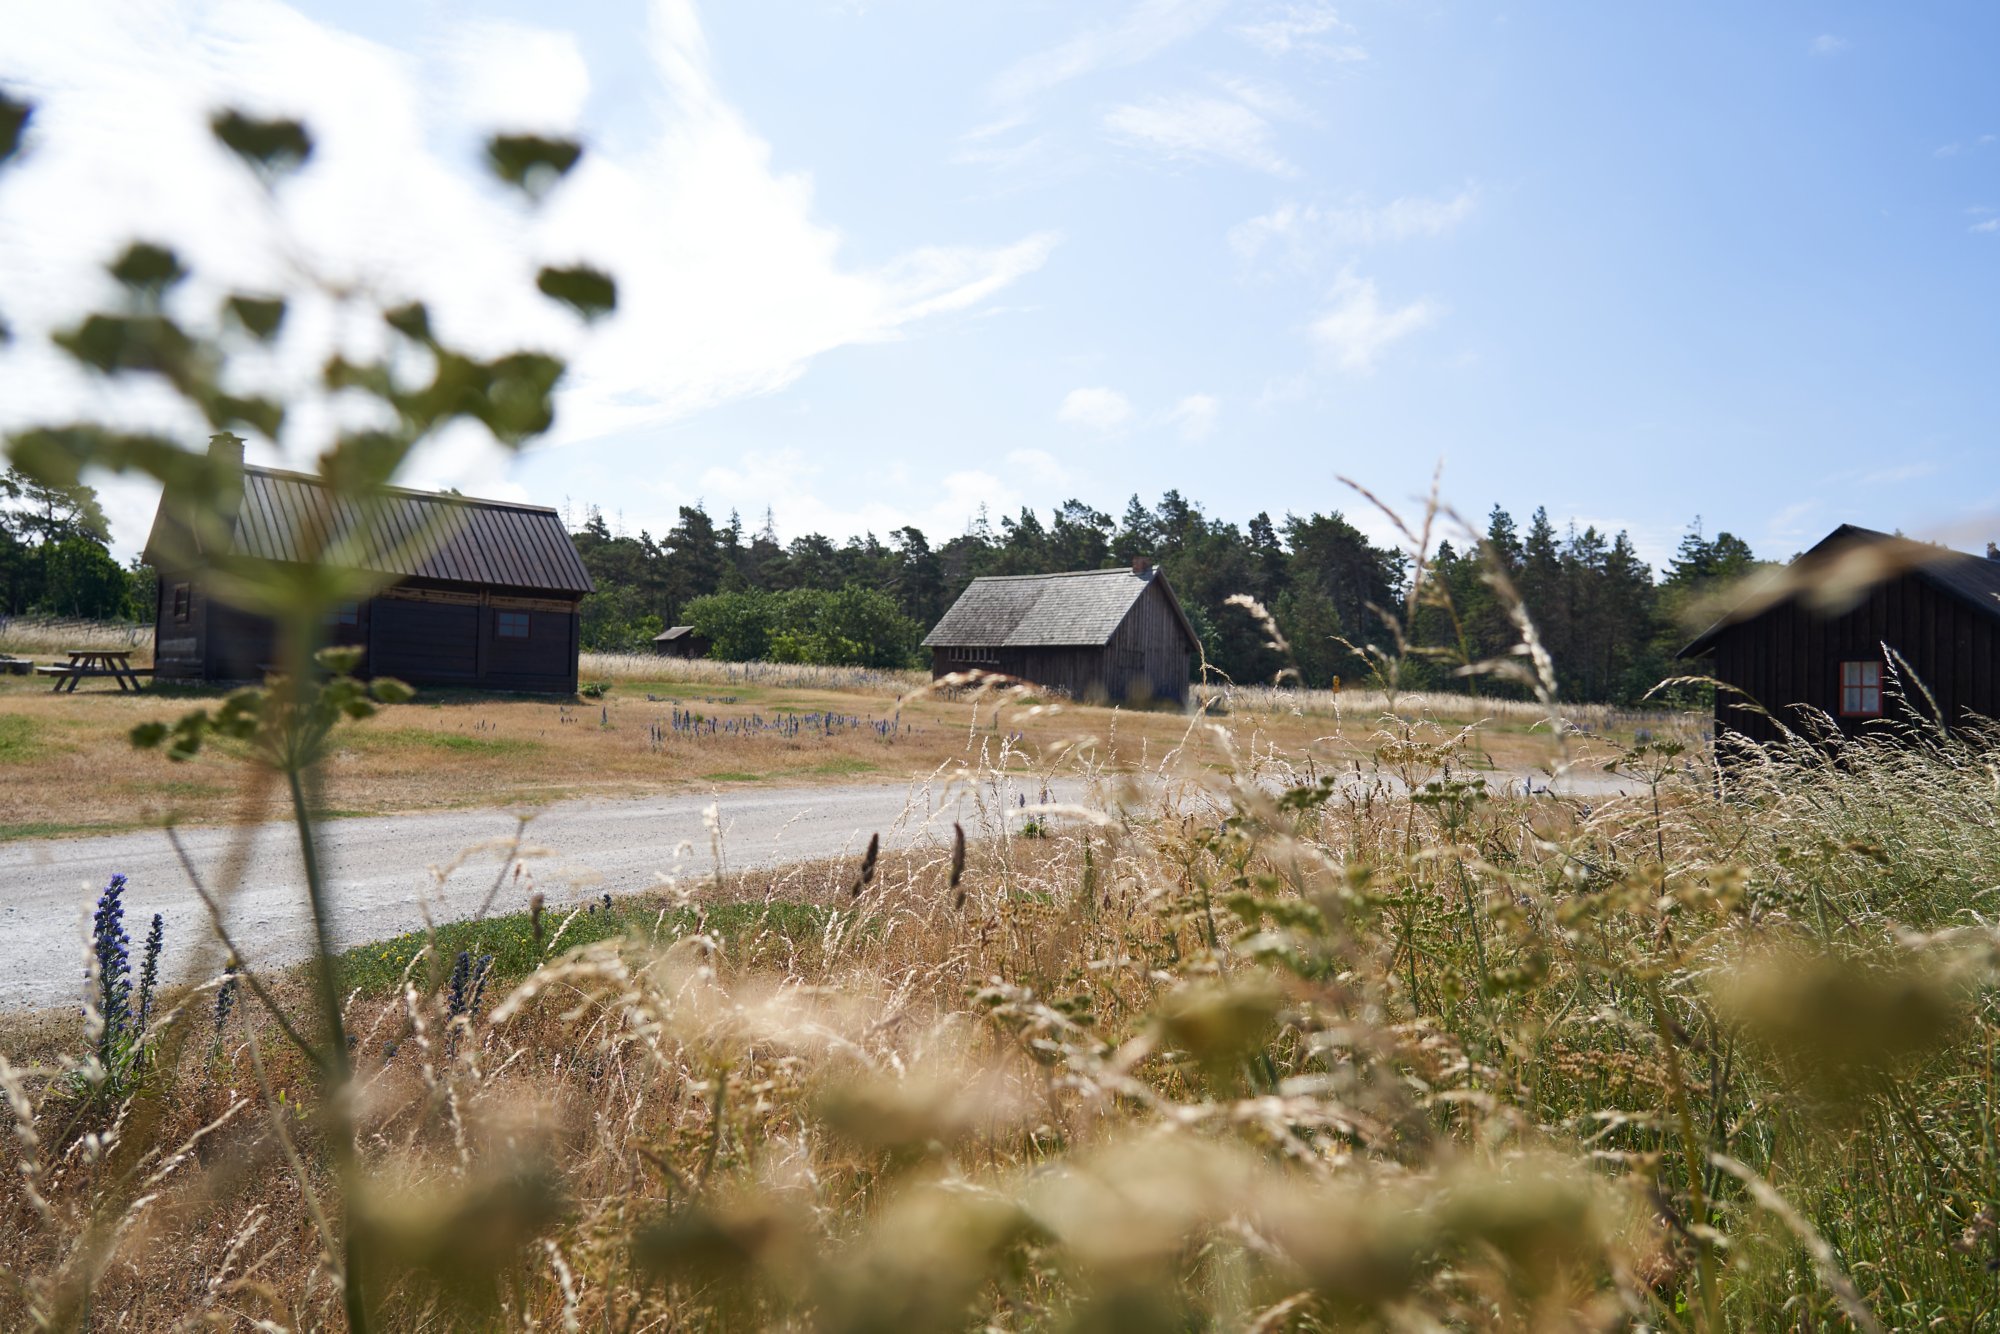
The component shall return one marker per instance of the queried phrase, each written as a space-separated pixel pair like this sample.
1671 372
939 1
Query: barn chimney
1993 551
1141 565
226 449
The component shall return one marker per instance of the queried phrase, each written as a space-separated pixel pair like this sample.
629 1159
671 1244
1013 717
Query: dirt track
381 867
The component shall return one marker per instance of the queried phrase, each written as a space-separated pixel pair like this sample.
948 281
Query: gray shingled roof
1973 579
288 516
1079 609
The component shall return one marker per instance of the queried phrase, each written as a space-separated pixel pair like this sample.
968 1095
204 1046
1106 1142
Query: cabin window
1861 689
977 654
183 601
511 624
344 613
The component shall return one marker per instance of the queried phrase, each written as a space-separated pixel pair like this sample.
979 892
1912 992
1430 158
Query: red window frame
1860 686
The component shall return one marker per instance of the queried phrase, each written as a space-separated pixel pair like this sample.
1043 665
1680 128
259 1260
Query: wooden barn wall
179 651
1147 658
1148 654
425 636
1789 658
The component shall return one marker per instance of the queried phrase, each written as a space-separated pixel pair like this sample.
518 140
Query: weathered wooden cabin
1111 635
680 641
1938 611
484 593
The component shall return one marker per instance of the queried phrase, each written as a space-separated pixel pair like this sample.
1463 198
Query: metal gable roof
288 516
1083 608
1972 579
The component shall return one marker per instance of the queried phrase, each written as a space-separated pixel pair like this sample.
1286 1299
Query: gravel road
382 867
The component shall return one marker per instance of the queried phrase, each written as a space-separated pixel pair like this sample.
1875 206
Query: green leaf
148 736
412 321
531 163
388 690
260 414
590 292
260 315
519 399
147 268
112 343
362 462
14 118
340 659
273 147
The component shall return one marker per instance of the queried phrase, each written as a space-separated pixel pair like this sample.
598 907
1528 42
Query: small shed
481 593
680 641
1101 635
1936 609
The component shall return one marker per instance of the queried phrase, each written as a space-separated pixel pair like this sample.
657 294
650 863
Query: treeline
1610 622
55 556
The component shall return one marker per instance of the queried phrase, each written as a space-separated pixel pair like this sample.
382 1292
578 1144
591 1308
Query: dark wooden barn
1116 635
680 641
484 593
1937 610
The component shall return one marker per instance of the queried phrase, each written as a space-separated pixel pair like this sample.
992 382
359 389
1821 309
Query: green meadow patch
20 739
456 743
744 928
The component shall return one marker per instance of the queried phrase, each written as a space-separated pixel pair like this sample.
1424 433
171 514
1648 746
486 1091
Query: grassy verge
517 944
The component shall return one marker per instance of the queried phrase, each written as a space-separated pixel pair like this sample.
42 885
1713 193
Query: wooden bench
86 663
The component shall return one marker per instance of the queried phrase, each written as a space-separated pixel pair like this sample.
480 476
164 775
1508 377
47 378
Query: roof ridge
1057 574
414 493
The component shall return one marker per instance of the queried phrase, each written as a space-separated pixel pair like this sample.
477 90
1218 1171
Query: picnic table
83 662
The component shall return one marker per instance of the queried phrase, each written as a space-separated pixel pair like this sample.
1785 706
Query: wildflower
114 965
225 997
461 972
149 969
480 972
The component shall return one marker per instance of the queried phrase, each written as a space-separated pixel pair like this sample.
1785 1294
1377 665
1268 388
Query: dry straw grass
49 636
1203 1057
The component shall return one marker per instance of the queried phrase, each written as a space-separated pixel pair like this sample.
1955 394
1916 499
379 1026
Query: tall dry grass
43 636
1217 1056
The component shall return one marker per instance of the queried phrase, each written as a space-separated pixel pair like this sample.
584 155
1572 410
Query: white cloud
730 284
1305 228
1194 416
1097 409
510 76
1303 27
1356 328
1192 127
1826 44
1146 29
1038 466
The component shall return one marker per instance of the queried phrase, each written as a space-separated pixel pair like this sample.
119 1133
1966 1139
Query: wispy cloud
1194 127
1827 44
1305 229
731 282
1314 28
1146 29
1194 416
1356 329
1096 408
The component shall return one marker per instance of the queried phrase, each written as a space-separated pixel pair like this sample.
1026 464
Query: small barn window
183 601
511 624
344 613
1861 689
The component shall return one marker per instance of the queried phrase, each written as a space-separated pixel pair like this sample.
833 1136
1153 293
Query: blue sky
892 259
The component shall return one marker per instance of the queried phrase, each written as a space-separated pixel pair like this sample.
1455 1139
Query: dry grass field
66 766
1314 1062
